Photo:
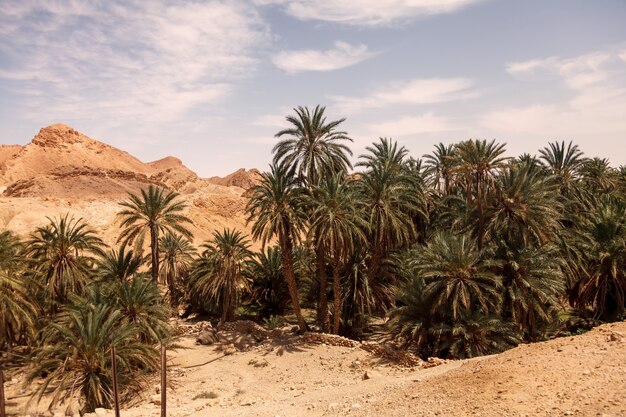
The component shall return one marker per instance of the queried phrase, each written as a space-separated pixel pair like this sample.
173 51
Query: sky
211 82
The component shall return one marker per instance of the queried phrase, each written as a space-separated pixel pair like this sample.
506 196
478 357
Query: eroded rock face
64 171
240 178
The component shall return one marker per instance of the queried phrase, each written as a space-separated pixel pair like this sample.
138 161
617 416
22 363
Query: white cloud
596 107
416 91
366 12
576 72
411 125
341 56
135 61
622 55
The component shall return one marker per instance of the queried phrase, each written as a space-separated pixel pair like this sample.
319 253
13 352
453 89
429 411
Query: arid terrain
252 372
249 370
63 171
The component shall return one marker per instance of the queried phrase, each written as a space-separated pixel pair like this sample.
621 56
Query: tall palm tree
389 198
154 212
337 225
561 161
277 207
313 146
177 254
61 255
118 265
478 161
219 273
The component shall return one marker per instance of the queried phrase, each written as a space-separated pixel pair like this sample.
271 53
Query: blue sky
211 81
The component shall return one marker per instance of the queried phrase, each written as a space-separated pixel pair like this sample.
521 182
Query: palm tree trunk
322 307
154 249
286 250
336 296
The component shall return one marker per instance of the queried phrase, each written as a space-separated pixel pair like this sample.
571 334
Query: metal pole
163 381
3 411
116 398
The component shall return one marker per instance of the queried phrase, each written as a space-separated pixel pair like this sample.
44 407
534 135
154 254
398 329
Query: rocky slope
62 170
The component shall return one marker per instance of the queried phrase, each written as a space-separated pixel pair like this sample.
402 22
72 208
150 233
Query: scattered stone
156 399
207 337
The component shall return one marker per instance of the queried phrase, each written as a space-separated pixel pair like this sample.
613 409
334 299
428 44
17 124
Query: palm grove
465 251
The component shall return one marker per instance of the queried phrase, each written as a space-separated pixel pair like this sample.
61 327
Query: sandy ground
581 376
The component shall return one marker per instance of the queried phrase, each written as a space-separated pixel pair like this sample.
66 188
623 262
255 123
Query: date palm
602 282
152 211
177 255
277 207
61 255
17 309
337 225
118 265
75 360
533 284
439 167
269 293
523 207
390 198
313 146
478 160
457 280
219 273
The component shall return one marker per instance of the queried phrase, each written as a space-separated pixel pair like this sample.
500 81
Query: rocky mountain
62 170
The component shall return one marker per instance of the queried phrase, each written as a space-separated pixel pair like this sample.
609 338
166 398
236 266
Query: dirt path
582 376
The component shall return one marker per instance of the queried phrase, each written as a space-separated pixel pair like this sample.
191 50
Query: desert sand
289 375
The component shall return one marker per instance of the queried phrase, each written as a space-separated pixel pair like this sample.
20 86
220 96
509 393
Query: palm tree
268 293
523 207
141 304
277 206
602 281
177 254
313 147
75 360
457 280
440 167
118 265
337 225
477 162
17 309
563 162
219 273
389 198
155 212
61 256
532 282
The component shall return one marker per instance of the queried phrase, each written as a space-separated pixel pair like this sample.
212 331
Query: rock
157 388
616 337
368 375
101 412
156 399
207 337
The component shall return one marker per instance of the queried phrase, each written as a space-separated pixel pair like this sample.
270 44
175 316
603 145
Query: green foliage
269 295
218 275
153 212
61 257
205 395
74 361
18 310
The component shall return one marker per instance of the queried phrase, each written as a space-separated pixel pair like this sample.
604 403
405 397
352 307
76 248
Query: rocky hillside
62 170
